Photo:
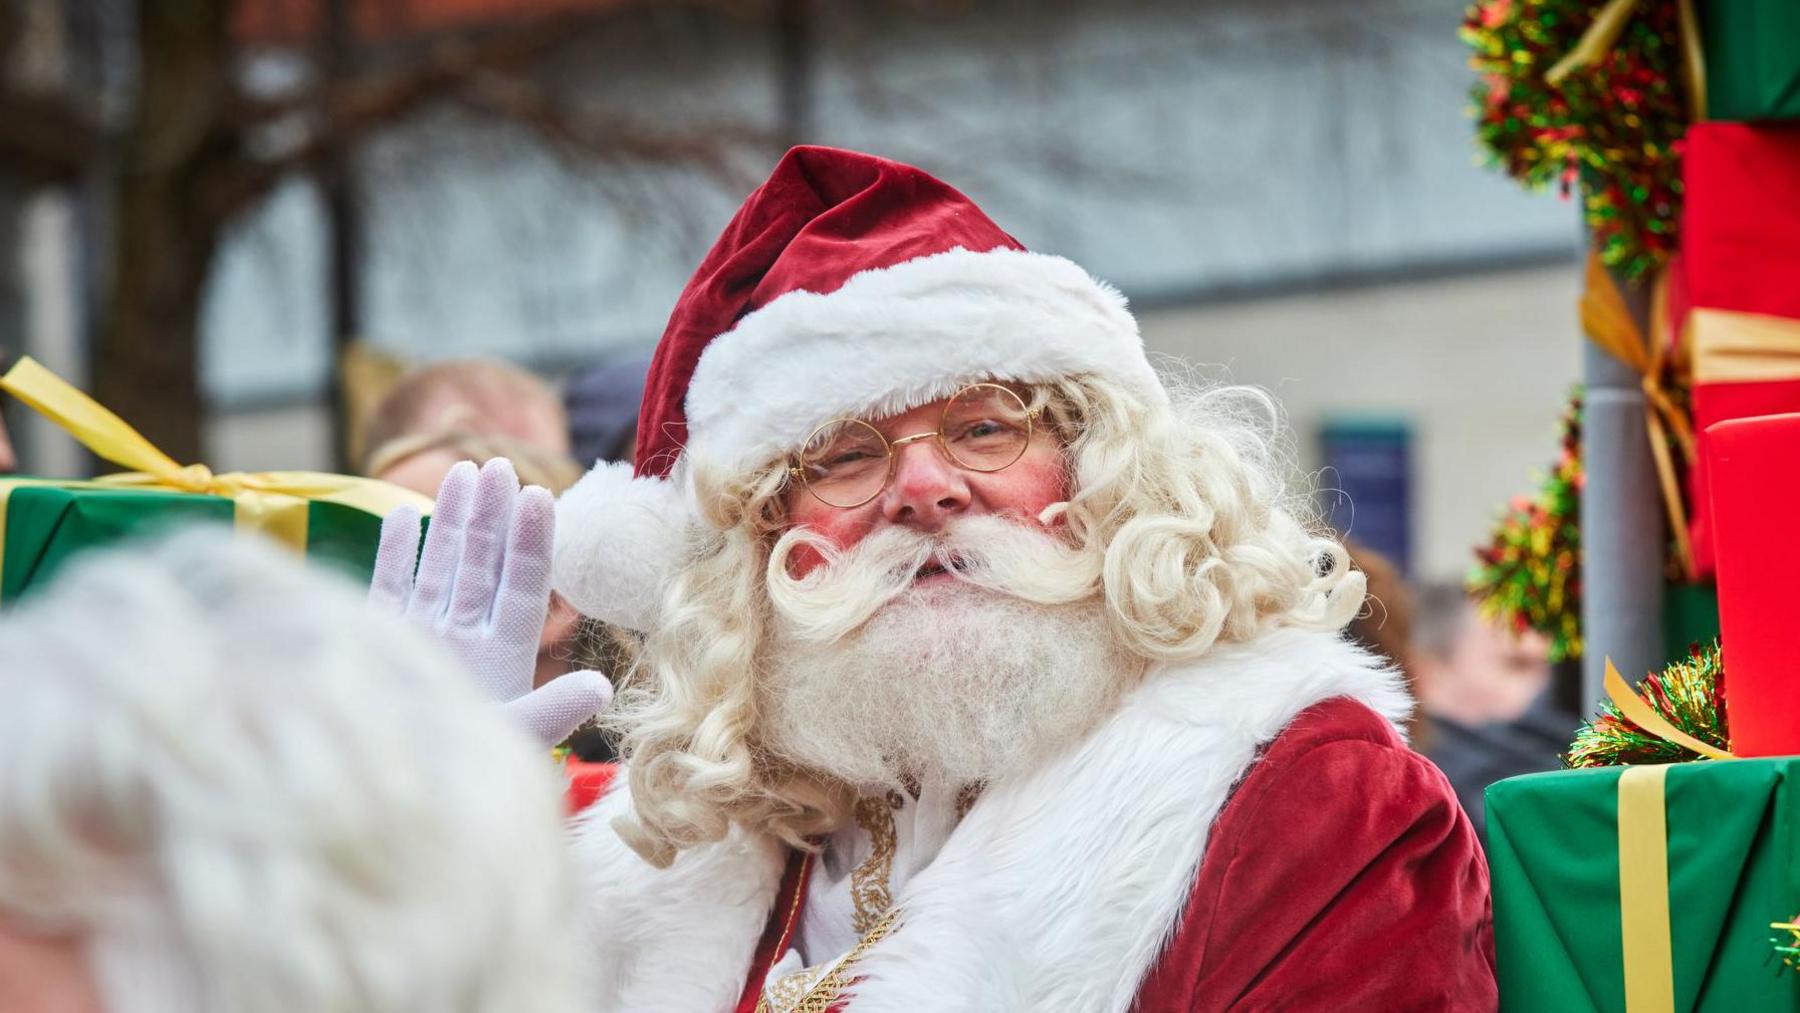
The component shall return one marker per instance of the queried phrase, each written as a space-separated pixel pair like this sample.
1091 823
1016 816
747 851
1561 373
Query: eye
981 429
842 458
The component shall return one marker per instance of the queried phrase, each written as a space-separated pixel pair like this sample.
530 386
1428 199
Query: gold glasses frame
1030 414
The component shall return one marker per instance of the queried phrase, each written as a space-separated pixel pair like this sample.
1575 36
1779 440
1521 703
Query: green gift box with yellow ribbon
332 519
1646 889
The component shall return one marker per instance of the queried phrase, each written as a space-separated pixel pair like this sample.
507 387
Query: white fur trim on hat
896 338
618 538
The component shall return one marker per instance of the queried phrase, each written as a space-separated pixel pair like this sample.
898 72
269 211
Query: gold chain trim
869 880
875 915
786 993
821 997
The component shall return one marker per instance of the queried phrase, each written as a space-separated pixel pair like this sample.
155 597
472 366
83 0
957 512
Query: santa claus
982 668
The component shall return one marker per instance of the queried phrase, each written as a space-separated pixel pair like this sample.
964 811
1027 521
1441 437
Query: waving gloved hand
482 587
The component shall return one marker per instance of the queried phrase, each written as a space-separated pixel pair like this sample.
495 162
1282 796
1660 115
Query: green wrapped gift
45 523
333 518
1646 888
1752 59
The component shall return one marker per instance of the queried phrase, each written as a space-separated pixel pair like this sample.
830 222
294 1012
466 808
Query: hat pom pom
618 540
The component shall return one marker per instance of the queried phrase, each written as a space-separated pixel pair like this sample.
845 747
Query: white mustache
990 552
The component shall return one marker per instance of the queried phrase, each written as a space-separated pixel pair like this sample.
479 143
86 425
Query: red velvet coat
1246 833
1341 875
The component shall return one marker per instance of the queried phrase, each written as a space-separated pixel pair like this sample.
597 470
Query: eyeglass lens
846 462
985 428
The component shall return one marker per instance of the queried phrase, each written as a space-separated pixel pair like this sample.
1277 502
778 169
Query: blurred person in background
1486 697
469 410
239 801
1384 627
478 410
602 404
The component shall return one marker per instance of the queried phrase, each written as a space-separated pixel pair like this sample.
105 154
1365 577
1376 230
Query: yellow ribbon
1649 964
1603 32
1609 324
1733 347
271 502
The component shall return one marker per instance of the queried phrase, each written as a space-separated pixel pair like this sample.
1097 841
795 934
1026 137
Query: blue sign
1366 485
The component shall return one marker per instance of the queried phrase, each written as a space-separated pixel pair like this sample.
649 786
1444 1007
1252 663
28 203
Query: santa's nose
927 490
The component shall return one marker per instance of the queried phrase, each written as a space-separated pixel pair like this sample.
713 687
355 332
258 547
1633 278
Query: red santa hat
847 285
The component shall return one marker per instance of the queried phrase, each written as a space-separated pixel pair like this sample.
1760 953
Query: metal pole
1623 537
337 180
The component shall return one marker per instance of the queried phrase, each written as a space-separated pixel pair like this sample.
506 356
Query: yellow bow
272 502
1609 324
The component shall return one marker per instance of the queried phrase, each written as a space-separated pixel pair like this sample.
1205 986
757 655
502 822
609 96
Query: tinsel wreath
1613 125
1528 576
1689 694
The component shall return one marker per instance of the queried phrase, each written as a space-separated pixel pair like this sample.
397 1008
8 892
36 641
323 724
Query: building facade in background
1286 190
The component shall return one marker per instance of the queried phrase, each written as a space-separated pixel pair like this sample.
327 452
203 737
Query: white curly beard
948 681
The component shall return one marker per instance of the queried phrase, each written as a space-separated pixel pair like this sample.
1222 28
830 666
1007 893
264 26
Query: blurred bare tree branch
47 139
334 115
213 116
197 149
588 136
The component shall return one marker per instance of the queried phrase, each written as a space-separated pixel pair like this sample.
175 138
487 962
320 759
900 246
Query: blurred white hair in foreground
248 793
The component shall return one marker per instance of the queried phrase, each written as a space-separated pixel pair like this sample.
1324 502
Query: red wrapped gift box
1741 275
1755 468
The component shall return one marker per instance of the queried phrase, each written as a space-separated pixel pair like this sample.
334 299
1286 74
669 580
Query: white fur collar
678 939
1058 889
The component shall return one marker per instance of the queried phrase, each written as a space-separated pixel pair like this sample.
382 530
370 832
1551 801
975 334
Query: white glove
483 587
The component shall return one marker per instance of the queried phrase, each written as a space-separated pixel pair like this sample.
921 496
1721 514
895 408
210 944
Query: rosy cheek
803 561
1026 488
842 528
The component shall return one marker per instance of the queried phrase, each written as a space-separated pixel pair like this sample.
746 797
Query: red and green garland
1689 694
1614 125
1528 577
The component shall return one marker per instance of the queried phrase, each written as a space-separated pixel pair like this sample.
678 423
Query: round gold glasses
847 462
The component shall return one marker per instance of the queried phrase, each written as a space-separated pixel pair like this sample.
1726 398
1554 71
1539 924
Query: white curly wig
243 792
1181 509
